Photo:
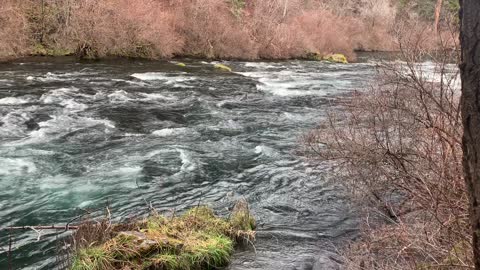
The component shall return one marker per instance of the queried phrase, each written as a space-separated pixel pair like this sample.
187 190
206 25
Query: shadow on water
75 135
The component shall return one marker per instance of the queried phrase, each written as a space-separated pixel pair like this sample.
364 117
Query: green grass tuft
198 239
92 258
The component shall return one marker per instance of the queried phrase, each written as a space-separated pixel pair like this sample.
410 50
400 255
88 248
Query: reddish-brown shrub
211 28
13 35
398 145
124 27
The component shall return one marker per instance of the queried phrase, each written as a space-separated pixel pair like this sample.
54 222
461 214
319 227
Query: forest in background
219 29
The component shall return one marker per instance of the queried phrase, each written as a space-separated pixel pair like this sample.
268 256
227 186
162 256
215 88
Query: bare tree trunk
438 11
470 73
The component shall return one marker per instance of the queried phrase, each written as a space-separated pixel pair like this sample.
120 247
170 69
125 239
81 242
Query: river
129 133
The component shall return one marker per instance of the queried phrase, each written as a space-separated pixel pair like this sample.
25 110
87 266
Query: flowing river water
75 136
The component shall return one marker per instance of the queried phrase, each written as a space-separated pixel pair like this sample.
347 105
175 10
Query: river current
75 136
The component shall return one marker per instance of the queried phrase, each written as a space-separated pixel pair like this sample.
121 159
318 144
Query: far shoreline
360 55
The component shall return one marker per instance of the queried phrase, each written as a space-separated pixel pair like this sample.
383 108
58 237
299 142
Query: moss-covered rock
336 58
197 239
314 56
181 64
222 67
41 50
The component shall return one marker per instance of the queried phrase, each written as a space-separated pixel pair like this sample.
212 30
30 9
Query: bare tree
470 71
438 11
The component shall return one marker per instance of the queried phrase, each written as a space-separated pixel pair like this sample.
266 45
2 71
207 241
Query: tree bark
470 102
438 11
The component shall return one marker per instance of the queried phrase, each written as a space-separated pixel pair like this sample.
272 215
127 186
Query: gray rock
327 261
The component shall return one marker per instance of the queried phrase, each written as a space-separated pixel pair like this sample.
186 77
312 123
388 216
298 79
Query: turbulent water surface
75 136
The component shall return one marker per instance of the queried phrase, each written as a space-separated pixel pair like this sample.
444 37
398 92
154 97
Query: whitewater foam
14 101
155 96
119 96
167 78
188 163
61 125
171 132
16 166
265 150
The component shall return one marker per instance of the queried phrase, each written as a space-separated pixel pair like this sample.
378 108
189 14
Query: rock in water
336 58
223 67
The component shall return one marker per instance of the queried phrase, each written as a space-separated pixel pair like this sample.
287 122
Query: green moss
336 58
222 67
181 64
198 239
41 50
459 254
237 7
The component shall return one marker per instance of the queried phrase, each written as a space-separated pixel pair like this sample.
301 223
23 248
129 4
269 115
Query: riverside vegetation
398 149
226 29
195 240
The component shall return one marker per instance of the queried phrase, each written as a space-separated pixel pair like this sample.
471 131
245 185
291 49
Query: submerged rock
223 67
333 58
330 261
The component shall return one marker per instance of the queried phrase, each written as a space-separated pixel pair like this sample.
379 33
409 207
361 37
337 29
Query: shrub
125 27
398 149
13 35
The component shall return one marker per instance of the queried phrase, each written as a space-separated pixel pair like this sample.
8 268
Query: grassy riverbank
197 239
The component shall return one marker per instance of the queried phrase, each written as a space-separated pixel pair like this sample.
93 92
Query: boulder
336 58
327 261
315 56
222 67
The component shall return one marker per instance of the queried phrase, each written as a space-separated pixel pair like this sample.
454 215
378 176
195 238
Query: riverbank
163 30
197 239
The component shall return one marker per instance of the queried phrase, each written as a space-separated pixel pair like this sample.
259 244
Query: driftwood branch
37 228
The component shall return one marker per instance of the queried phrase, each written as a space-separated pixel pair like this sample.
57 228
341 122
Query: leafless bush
398 145
126 27
212 28
13 37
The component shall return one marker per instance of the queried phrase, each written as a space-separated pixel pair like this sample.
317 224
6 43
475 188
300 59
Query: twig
38 231
198 205
86 212
35 228
10 250
109 218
